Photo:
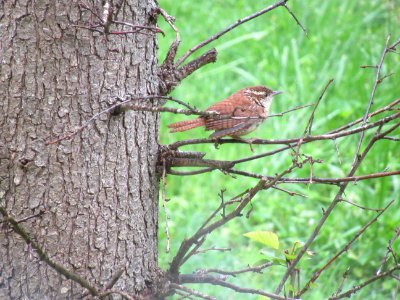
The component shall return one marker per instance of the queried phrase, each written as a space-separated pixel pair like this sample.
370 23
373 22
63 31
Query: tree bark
93 198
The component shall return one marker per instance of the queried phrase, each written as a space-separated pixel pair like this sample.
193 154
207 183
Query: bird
237 115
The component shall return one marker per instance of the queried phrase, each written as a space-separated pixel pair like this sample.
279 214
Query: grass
272 50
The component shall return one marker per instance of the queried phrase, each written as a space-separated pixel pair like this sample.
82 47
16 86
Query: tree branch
229 28
344 249
44 257
365 283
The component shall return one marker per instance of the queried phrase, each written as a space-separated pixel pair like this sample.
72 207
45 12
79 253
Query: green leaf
290 257
268 238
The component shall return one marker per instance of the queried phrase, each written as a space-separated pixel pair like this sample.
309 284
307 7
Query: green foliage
273 51
267 238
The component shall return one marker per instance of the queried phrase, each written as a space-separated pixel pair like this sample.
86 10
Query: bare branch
390 250
342 187
307 130
365 283
296 19
257 269
164 205
343 279
290 110
202 278
205 230
327 136
44 257
371 98
229 28
362 207
191 292
344 249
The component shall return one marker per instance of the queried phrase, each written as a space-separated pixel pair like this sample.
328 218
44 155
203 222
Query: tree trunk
93 198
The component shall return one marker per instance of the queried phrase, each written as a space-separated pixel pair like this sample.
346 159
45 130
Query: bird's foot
249 141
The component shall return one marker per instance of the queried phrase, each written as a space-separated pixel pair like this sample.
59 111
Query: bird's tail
186 125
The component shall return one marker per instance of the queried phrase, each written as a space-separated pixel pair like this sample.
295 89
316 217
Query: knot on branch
168 158
171 75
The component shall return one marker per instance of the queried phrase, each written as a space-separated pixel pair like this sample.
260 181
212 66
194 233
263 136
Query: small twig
257 269
39 214
290 110
183 255
342 187
44 257
360 206
344 249
164 205
114 279
191 292
214 280
379 111
392 138
213 249
290 193
229 28
169 59
344 277
118 292
365 283
112 109
371 98
337 151
296 19
307 130
390 250
368 66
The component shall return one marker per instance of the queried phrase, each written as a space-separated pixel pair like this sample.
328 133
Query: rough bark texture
99 190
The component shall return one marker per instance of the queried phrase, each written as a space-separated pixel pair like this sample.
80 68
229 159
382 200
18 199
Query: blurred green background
273 51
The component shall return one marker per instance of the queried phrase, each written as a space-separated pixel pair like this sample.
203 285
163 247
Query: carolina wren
239 114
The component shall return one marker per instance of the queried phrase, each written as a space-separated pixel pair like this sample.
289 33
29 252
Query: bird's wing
236 130
240 108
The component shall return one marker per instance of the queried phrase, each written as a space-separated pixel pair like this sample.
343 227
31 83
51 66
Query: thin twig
296 19
337 150
112 109
123 294
191 292
365 283
362 207
164 204
342 187
229 28
214 280
344 249
307 130
290 142
170 57
44 257
257 269
343 279
390 250
371 98
290 110
201 233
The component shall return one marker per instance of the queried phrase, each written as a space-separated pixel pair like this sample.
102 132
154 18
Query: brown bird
239 114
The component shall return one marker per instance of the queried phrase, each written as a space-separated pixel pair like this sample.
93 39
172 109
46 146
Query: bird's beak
276 93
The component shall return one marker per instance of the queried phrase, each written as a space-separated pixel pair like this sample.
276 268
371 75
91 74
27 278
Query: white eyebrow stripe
256 93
